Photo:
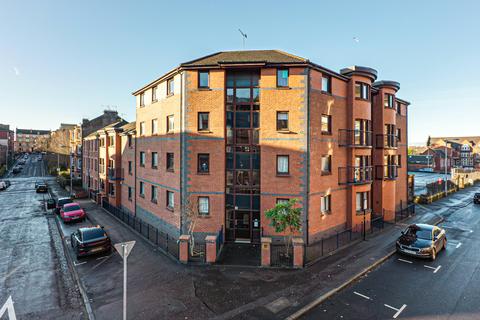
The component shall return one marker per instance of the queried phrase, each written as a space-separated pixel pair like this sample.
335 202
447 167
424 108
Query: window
388 100
399 108
170 124
399 134
142 159
154 160
282 200
130 167
111 189
326 124
203 206
102 142
154 126
170 162
203 124
363 201
203 79
142 99
283 165
153 197
142 189
129 193
399 161
362 91
170 87
325 204
142 128
170 200
282 120
111 141
129 137
203 163
327 84
282 77
154 94
326 164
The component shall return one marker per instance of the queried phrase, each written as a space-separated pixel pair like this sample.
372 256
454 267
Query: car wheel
434 254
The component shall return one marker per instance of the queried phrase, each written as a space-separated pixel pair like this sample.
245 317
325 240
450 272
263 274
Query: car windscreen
61 202
91 234
420 233
71 208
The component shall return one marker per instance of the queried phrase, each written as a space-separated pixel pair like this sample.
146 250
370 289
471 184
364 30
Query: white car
3 185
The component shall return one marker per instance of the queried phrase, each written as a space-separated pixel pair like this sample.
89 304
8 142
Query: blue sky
61 61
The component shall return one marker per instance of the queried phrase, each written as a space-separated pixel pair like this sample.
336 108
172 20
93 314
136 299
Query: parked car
3 185
72 212
41 187
39 182
16 169
422 240
90 240
476 198
7 182
60 203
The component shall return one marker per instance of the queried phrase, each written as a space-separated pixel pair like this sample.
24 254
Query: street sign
124 248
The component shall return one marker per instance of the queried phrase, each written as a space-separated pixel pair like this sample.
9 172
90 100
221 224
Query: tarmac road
33 268
409 288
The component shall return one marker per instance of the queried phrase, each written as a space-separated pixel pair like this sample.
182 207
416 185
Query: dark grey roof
386 83
33 131
129 127
246 56
365 71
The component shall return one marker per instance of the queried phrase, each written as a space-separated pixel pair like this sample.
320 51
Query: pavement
33 268
161 288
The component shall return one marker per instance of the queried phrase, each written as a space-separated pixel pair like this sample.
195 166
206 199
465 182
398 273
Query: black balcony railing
385 141
115 173
355 175
354 138
389 172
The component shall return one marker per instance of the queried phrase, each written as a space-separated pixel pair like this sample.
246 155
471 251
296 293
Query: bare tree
190 214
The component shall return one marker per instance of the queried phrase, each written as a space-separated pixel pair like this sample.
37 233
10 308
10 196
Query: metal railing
386 172
199 253
385 141
354 138
115 174
163 240
377 223
279 256
355 175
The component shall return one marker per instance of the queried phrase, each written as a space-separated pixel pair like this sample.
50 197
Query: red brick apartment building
102 161
233 133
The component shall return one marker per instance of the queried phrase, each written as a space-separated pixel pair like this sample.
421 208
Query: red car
72 212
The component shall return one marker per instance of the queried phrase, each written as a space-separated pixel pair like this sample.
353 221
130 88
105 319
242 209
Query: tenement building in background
233 133
30 140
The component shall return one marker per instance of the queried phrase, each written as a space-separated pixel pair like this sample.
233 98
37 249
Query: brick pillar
183 248
211 248
266 242
298 252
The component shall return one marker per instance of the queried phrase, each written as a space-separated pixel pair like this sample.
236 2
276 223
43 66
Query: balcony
386 141
114 174
352 138
386 172
355 175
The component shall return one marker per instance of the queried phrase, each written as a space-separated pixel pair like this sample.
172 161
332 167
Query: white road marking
8 306
386 305
405 261
80 263
362 295
458 245
435 270
399 311
100 258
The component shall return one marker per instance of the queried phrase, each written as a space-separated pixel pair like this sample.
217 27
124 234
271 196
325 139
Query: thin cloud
356 39
17 72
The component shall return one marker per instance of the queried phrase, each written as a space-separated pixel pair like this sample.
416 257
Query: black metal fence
219 241
328 245
199 252
163 240
279 256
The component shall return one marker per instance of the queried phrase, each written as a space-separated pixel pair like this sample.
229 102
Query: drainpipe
182 137
135 171
307 195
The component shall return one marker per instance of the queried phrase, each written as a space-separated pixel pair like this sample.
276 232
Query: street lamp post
364 224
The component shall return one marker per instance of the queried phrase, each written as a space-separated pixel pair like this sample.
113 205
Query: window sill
130 199
326 133
362 99
327 93
285 132
204 215
169 209
170 170
170 95
283 175
155 167
360 213
141 195
153 201
154 101
203 173
283 88
170 132
204 89
142 166
206 131
325 213
326 173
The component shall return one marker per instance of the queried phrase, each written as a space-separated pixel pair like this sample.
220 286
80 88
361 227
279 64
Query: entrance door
242 226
